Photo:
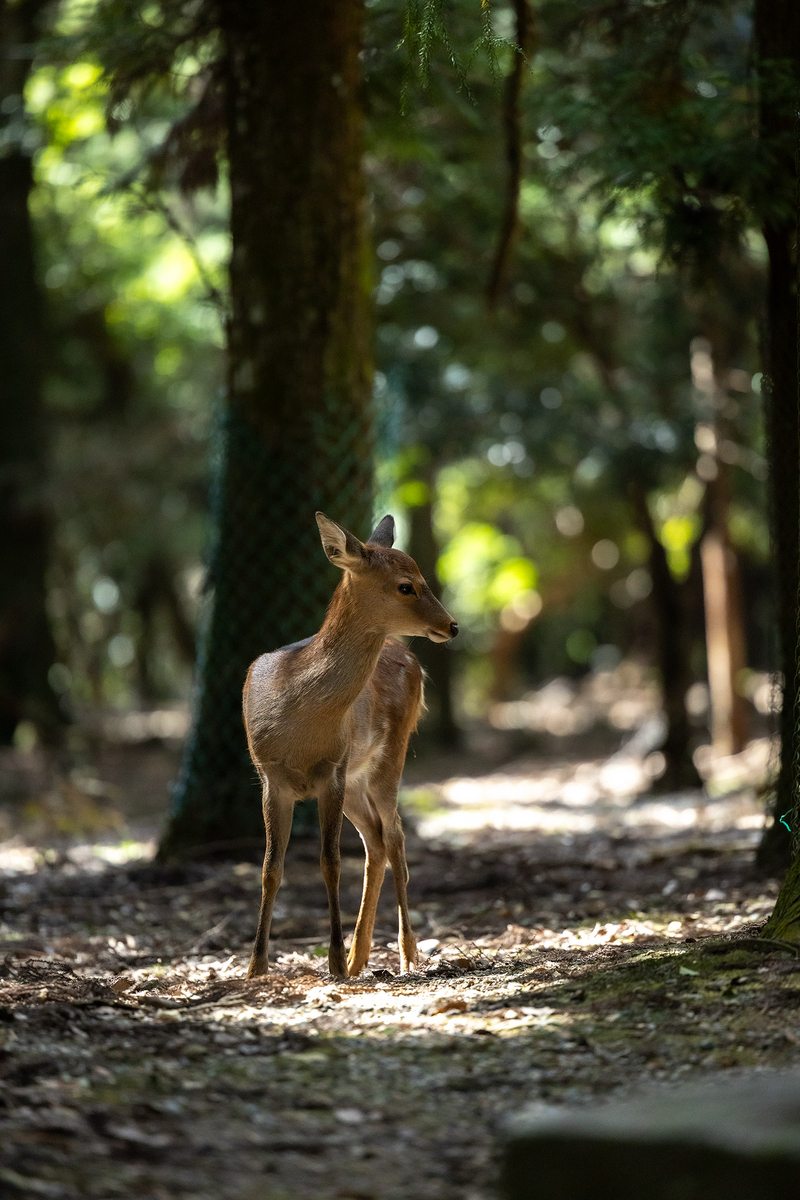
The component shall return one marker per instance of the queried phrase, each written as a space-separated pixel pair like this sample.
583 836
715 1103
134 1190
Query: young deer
330 717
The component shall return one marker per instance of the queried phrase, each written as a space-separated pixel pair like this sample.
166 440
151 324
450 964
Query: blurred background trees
574 445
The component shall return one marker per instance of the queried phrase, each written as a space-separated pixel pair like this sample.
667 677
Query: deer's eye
406 589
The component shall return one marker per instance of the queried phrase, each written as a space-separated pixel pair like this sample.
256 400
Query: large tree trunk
784 922
296 429
26 643
777 31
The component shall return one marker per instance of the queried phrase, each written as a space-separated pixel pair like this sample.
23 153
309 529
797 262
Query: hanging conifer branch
424 25
512 122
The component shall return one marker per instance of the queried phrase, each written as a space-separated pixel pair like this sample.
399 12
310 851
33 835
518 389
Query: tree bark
26 644
777 34
296 429
784 922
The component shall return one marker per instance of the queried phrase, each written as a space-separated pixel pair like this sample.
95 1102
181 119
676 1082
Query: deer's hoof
258 966
337 965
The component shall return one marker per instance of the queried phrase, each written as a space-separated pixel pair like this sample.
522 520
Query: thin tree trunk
157 593
26 643
673 656
440 724
777 32
722 590
725 646
296 428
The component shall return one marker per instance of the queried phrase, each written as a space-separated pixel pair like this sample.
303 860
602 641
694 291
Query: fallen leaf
449 1004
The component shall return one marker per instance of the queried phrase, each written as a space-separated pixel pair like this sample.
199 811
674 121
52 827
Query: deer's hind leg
359 809
278 804
395 844
331 806
383 794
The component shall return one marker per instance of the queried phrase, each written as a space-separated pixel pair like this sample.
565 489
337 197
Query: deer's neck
347 648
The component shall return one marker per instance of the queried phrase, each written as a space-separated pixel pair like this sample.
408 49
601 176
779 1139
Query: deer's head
386 581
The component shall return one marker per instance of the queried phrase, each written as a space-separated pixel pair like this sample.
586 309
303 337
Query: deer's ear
383 533
341 547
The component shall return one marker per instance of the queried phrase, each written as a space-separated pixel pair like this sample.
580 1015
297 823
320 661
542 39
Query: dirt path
565 959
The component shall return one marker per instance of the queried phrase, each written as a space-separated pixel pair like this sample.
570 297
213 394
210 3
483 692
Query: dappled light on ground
569 788
588 797
562 932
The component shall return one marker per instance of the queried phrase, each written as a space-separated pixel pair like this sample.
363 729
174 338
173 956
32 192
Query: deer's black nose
453 629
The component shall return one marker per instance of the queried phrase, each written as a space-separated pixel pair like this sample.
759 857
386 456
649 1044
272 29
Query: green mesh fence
270 585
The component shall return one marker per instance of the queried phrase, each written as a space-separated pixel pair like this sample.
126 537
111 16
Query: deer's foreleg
359 810
331 808
278 810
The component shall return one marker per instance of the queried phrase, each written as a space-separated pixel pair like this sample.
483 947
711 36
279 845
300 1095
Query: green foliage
136 360
581 385
427 26
639 211
484 571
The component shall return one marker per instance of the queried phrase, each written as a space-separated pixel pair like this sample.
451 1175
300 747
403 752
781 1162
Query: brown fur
330 718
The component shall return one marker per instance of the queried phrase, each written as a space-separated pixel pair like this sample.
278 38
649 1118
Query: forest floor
577 941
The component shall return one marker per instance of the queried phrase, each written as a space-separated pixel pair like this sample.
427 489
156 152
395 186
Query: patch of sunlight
214 247
484 569
643 262
85 123
40 90
169 276
623 776
510 817
728 773
668 815
19 858
205 320
110 217
620 235
421 800
141 726
500 789
115 854
625 931
82 74
592 796
516 575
